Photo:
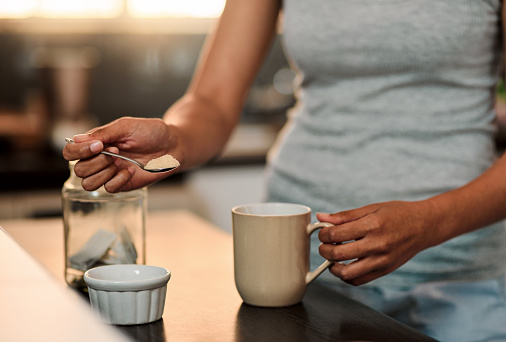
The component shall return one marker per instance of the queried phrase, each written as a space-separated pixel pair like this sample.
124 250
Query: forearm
202 129
472 206
205 117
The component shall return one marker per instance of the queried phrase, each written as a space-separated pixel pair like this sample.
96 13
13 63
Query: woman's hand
136 138
379 238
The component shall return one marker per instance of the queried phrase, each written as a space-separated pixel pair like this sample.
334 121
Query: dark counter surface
202 303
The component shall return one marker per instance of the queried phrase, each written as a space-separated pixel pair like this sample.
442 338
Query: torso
395 102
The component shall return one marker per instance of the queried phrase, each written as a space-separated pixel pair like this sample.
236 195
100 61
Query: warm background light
79 8
17 9
175 8
22 9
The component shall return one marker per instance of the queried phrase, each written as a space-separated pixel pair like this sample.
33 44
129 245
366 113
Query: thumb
108 134
95 145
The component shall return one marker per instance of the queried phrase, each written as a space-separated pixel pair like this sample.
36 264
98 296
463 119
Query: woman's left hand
379 238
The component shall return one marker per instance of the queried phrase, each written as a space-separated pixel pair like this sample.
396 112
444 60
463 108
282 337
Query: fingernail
96 146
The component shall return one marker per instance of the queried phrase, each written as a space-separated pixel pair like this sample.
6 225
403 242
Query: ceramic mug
271 252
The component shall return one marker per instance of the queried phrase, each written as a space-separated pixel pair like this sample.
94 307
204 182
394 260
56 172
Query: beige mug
271 252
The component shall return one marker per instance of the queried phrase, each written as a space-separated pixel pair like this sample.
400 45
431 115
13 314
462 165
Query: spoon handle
123 157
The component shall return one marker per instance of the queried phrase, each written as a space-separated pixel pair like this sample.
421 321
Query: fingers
343 216
379 238
350 241
344 252
112 178
120 181
342 233
104 170
358 272
344 229
89 166
96 180
96 171
349 224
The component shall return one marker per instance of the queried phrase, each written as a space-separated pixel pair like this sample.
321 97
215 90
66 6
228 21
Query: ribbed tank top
395 101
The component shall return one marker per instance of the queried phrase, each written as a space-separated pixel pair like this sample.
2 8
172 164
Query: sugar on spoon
173 162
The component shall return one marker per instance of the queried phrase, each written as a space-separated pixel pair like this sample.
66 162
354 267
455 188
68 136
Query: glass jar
101 228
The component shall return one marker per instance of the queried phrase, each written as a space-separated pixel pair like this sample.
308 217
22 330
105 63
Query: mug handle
312 275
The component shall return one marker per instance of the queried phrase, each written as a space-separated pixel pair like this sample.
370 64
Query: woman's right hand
137 138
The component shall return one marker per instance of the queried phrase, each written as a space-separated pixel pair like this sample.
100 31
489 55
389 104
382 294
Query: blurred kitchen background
68 66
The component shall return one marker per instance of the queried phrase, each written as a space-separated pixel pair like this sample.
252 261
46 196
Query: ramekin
127 294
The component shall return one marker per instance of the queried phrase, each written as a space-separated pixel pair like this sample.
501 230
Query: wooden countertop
34 306
202 302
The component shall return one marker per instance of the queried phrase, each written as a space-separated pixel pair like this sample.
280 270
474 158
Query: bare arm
477 204
229 63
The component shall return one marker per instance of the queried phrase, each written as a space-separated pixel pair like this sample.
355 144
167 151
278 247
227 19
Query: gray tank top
394 102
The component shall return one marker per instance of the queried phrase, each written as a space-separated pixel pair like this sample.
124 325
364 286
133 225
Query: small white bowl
128 294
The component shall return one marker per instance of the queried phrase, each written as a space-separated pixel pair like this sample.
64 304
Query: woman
392 133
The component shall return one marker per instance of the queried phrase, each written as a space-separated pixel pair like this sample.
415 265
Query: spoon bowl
138 163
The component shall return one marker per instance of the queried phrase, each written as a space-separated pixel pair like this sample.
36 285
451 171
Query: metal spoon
141 165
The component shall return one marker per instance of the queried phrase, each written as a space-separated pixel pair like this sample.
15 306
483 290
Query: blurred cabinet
126 75
209 192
